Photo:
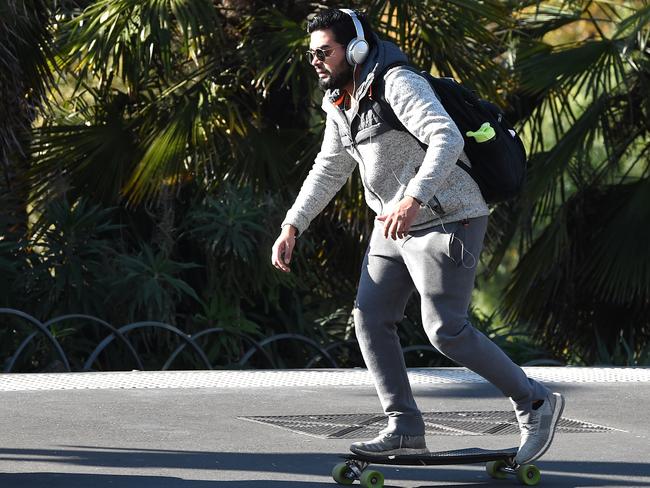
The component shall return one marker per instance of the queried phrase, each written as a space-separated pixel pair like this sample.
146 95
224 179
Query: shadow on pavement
58 480
235 470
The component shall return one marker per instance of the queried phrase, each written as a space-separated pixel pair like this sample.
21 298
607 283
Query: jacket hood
383 54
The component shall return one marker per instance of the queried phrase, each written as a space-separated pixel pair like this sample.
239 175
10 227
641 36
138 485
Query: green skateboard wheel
372 479
529 475
342 474
493 468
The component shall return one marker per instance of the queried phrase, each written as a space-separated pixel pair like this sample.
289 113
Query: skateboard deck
441 458
500 464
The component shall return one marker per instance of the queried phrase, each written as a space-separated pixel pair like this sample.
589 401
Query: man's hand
398 222
283 248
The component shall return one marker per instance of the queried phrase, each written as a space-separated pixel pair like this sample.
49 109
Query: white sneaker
391 445
538 427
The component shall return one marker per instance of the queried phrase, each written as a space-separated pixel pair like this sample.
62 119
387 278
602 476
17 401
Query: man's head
331 31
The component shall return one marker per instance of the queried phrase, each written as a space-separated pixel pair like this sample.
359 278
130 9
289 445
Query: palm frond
457 38
25 76
129 38
620 269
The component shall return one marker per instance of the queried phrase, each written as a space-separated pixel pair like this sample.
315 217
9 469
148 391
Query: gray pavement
183 430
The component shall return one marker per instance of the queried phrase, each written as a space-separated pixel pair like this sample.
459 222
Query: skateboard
499 465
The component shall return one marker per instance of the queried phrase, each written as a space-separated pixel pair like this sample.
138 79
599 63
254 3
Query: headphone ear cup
357 51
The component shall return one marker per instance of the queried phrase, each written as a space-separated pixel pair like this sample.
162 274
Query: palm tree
25 78
582 283
169 98
173 103
159 118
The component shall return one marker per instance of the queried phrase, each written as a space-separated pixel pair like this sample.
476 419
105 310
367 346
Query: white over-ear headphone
357 50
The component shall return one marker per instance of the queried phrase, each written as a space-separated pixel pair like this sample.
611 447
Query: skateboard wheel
372 479
529 475
493 468
342 474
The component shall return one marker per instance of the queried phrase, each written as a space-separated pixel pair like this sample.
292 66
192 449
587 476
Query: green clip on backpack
495 150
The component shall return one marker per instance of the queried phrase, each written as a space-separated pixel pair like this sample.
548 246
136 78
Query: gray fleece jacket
392 164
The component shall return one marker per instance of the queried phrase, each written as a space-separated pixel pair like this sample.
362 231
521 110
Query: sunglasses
320 54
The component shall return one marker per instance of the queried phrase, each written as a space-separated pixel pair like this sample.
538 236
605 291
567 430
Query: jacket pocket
346 140
445 202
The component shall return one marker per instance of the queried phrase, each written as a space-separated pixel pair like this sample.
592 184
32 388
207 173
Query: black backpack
499 163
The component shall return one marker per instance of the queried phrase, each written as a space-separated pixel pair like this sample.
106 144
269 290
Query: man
428 234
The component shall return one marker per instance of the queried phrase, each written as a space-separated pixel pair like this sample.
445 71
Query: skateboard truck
357 468
527 474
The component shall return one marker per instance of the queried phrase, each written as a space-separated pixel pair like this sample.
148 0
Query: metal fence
320 355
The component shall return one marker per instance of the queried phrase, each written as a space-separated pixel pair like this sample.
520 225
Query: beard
341 76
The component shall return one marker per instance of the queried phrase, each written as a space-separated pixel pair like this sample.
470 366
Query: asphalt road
146 430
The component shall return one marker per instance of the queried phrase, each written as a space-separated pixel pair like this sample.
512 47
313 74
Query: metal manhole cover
359 426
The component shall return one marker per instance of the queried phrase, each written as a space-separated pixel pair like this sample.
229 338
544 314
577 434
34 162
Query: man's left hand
398 222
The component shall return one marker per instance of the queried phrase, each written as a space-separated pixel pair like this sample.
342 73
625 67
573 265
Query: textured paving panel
295 378
359 426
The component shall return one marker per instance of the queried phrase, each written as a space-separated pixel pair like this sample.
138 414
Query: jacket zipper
363 180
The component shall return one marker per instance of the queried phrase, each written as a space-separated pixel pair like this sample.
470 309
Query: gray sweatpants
440 263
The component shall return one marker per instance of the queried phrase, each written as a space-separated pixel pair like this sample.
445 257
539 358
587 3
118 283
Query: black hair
341 25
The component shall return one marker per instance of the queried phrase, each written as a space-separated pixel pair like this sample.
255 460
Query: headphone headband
355 21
